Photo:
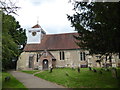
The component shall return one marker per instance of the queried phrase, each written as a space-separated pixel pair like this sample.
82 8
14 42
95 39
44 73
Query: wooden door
45 64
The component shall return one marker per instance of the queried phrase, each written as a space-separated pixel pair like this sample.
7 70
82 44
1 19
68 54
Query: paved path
31 81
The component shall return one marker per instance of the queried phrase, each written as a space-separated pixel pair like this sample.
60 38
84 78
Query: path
31 81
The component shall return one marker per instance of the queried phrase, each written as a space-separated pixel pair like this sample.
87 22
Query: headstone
114 73
90 68
7 78
78 69
66 74
94 70
51 69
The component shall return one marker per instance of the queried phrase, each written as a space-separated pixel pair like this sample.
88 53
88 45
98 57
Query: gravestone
7 78
90 68
94 70
78 69
51 69
114 72
66 74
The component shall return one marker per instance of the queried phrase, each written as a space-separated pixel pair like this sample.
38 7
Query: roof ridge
63 33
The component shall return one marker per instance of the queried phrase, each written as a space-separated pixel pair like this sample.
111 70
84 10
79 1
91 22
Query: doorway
31 62
45 64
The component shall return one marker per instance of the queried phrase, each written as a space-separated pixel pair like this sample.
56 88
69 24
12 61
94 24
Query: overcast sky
51 15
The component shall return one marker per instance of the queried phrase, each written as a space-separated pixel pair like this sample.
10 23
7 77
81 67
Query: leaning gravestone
114 73
90 68
66 73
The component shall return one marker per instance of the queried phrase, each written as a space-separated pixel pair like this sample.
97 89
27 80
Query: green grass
12 83
84 79
30 71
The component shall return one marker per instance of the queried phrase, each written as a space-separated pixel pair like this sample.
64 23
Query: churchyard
81 78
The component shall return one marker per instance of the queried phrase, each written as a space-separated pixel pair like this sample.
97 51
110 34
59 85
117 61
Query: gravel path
31 81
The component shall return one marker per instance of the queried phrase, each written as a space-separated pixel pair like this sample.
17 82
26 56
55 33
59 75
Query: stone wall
72 59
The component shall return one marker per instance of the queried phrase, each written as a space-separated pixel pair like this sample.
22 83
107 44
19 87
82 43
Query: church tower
35 34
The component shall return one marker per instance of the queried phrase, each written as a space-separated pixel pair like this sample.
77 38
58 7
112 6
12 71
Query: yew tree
98 25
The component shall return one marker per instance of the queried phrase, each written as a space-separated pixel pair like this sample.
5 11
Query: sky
50 14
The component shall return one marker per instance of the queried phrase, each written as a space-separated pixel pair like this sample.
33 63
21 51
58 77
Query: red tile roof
36 26
54 42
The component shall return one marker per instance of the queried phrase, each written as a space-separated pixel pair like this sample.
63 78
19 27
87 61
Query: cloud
38 2
51 13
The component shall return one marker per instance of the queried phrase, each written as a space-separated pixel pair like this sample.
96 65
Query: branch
8 7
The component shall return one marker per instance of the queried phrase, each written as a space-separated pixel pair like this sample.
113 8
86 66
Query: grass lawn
84 79
31 71
12 83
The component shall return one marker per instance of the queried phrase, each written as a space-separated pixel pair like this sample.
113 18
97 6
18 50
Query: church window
62 55
82 56
37 57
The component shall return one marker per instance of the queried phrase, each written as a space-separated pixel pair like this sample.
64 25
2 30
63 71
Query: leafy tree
12 36
98 26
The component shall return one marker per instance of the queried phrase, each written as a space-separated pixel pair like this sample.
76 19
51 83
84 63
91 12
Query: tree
12 36
8 6
12 33
98 26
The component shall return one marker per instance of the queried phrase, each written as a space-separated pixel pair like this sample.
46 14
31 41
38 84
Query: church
44 51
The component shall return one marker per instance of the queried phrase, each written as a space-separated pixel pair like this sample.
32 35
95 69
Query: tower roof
36 26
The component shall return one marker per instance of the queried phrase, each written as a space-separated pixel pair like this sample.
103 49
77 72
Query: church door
45 64
31 62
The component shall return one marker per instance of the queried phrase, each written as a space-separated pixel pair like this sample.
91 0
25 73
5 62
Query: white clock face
33 33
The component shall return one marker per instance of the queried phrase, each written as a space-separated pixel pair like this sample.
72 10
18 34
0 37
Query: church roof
54 42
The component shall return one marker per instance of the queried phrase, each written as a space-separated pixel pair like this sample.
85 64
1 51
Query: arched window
62 55
37 57
82 56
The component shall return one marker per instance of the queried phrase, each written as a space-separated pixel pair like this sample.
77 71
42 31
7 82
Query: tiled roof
54 42
36 26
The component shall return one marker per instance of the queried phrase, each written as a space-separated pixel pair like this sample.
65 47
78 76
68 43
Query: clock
33 33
